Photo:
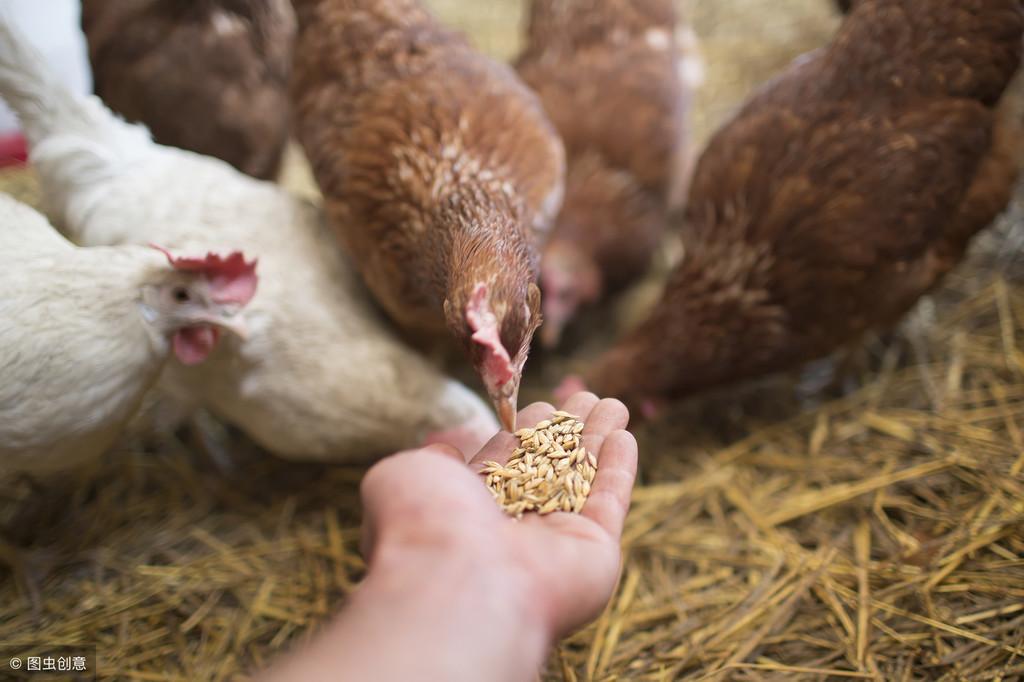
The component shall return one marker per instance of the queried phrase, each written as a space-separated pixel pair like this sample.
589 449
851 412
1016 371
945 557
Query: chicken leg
30 568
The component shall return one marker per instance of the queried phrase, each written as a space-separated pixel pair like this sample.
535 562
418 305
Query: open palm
566 564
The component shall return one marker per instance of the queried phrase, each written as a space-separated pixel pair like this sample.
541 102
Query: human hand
427 507
457 590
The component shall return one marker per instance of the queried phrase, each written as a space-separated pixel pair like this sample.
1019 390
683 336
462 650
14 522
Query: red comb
232 279
13 150
484 324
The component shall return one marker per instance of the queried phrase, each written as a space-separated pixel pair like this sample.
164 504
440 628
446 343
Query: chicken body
611 77
85 334
205 75
319 376
839 194
440 174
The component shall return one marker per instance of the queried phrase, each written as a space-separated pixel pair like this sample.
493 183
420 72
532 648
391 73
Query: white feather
321 375
76 354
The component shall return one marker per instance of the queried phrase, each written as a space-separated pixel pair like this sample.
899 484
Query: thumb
444 449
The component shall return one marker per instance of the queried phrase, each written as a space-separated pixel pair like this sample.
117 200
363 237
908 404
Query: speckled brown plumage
607 72
205 75
838 195
439 169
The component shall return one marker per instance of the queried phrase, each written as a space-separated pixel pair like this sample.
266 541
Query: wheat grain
550 470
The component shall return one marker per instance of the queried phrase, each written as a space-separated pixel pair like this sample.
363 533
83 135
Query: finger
500 448
397 490
377 489
449 451
535 412
374 482
580 404
367 538
607 416
609 497
379 482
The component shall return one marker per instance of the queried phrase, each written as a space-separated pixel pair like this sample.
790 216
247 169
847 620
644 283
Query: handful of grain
550 471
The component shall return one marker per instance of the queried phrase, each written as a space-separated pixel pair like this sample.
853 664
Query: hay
879 536
876 535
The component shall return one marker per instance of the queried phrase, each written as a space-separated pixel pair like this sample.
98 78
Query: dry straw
550 471
876 535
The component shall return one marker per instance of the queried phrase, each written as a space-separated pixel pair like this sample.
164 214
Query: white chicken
86 331
320 376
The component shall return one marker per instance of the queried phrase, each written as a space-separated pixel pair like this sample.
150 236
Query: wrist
472 599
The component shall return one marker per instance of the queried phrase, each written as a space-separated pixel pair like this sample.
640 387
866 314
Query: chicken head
198 298
493 331
571 280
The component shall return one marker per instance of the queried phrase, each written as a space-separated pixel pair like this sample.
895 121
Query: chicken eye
181 295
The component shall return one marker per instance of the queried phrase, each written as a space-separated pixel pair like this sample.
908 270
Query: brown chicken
841 192
609 75
210 76
440 173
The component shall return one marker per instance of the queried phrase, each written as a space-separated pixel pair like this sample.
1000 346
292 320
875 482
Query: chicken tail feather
75 142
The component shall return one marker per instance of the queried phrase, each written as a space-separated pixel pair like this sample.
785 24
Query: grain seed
548 472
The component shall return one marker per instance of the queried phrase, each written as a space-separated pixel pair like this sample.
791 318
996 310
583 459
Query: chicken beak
229 321
506 407
236 327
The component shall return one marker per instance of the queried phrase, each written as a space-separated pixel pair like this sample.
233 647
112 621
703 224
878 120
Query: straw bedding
875 532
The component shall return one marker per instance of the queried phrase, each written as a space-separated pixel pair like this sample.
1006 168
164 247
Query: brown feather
439 168
607 72
209 76
840 194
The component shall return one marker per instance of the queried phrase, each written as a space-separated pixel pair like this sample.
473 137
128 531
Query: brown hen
440 173
209 76
838 195
608 73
